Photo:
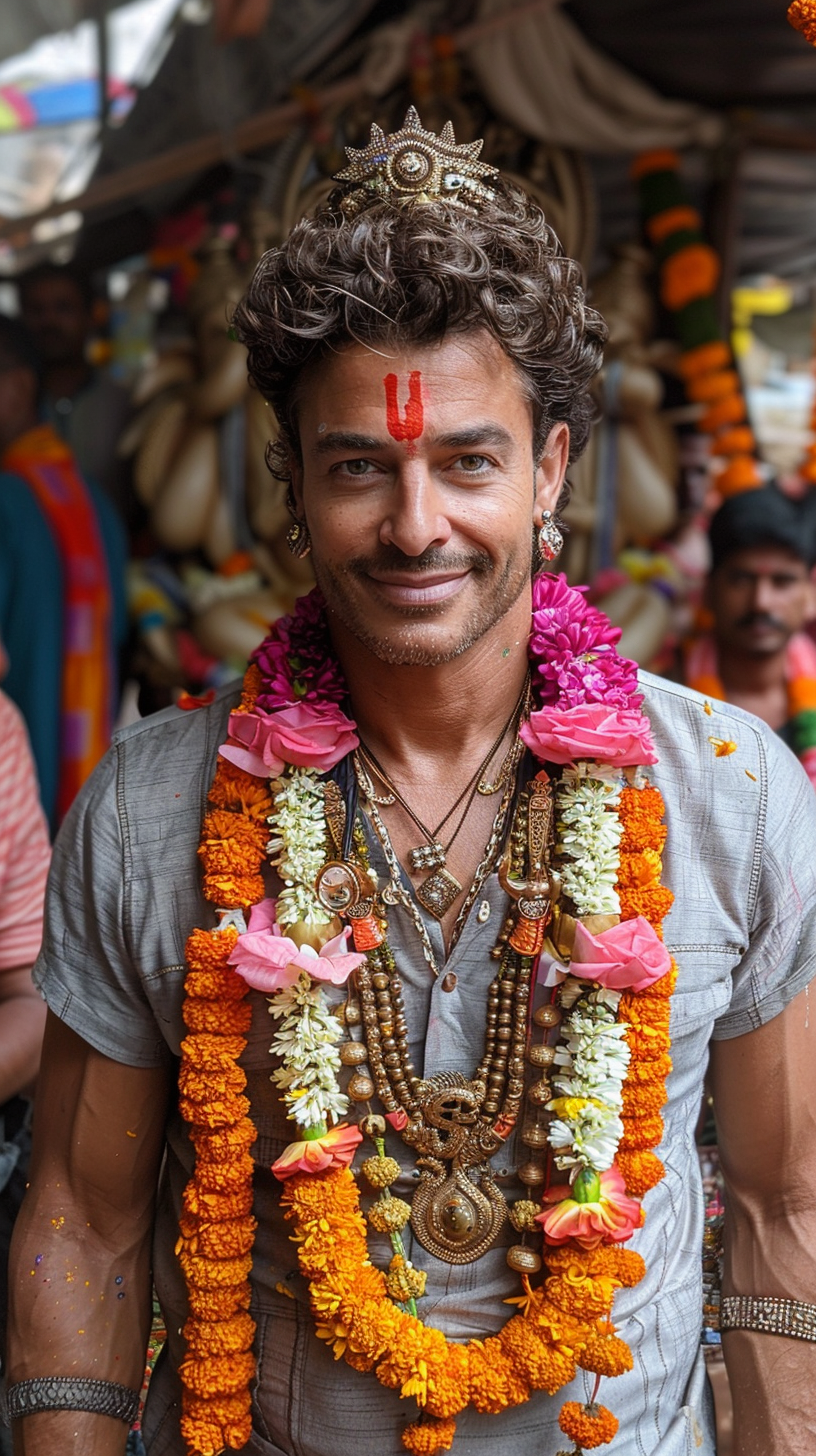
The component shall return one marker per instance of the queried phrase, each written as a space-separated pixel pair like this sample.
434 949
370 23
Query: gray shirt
124 896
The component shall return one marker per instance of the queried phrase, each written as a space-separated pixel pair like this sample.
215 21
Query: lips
418 589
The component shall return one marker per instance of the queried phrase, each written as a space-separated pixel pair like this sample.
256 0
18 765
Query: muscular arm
80 1278
764 1088
22 1020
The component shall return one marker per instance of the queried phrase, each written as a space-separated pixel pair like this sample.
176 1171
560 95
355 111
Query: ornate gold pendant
438 892
456 1215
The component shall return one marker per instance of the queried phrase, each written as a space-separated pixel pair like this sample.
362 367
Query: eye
472 463
355 467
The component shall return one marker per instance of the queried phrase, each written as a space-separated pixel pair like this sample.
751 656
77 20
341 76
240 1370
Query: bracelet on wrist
768 1315
72 1393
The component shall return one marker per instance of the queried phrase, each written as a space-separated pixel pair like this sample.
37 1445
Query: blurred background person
86 407
62 599
24 858
760 594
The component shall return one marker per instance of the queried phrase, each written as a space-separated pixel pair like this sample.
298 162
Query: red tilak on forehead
410 426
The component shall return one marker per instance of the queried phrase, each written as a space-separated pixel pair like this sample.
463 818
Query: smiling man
455 1204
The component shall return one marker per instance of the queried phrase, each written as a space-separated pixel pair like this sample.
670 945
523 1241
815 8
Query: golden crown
415 165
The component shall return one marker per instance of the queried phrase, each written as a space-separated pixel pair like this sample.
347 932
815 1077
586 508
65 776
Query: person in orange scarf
62 561
760 594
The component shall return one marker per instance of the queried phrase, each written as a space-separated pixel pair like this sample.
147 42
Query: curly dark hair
413 275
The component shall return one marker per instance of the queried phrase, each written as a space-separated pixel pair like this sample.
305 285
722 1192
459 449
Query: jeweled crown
415 165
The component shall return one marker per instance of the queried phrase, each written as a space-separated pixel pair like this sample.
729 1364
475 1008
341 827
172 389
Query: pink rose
627 957
619 736
268 960
334 1149
311 735
603 1213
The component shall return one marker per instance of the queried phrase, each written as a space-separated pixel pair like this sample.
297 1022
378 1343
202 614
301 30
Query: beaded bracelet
768 1315
50 1393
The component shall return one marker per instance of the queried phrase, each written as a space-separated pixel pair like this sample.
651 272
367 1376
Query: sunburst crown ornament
415 165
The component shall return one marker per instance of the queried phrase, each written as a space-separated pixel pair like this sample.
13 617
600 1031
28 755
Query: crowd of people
468 868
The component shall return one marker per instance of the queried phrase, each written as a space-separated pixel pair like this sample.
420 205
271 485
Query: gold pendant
456 1215
438 892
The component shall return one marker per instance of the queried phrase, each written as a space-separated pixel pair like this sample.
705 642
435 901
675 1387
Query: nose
764 595
416 518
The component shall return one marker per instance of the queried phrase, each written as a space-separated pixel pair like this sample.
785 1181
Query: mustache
390 558
761 619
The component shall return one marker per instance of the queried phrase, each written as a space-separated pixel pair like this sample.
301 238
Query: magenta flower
268 960
590 730
310 735
627 957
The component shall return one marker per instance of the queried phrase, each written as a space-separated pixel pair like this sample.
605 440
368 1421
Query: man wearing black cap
760 593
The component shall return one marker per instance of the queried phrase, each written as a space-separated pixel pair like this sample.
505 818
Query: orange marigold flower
215 985
691 273
662 988
224 1145
210 949
215 1305
425 1438
729 411
494 1382
234 892
201 1204
543 1366
208 1426
802 16
661 225
641 1171
622 1265
706 388
222 1240
741 473
201 1085
233 788
652 1071
662 159
213 1051
230 859
214 1273
654 1012
638 870
221 1111
449 1383
580 1294
221 826
704 358
739 440
606 1355
233 1017
225 1375
587 1425
640 1133
224 1176
653 903
214 1337
643 1100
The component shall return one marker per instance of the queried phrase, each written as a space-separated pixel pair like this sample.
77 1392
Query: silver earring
550 540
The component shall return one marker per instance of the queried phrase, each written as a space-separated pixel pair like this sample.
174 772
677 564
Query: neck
444 714
63 381
744 673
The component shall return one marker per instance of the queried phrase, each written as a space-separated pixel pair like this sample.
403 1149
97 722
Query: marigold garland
561 1325
689 271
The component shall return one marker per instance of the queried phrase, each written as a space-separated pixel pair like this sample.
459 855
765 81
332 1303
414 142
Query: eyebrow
465 439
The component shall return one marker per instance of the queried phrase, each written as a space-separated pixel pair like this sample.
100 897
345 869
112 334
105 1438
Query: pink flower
311 735
268 960
590 730
601 1213
628 956
334 1149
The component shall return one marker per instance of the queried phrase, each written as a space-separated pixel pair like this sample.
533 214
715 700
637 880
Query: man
87 408
62 562
428 352
760 594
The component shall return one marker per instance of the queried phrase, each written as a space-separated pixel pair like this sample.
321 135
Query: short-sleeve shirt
740 860
25 851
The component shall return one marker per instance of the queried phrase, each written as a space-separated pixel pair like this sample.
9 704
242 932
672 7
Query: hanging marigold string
689 271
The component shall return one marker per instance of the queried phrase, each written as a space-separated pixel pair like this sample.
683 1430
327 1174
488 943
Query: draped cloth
46 464
541 74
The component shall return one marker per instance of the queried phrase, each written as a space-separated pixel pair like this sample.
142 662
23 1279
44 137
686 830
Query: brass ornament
523 1260
415 165
298 540
456 1216
438 892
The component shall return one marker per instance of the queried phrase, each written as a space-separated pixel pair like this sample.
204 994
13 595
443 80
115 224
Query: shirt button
449 981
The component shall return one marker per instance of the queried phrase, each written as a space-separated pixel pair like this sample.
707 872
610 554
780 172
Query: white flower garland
297 848
589 836
593 1059
307 1041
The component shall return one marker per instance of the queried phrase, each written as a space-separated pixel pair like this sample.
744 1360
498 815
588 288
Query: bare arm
22 1022
80 1287
764 1088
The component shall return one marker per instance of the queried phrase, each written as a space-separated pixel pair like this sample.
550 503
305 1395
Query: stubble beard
399 648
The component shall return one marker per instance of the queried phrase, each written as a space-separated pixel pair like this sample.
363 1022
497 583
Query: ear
550 471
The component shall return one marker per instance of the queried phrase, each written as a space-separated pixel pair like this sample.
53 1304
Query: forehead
766 560
463 373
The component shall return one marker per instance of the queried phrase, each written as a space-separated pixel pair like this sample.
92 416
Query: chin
412 648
